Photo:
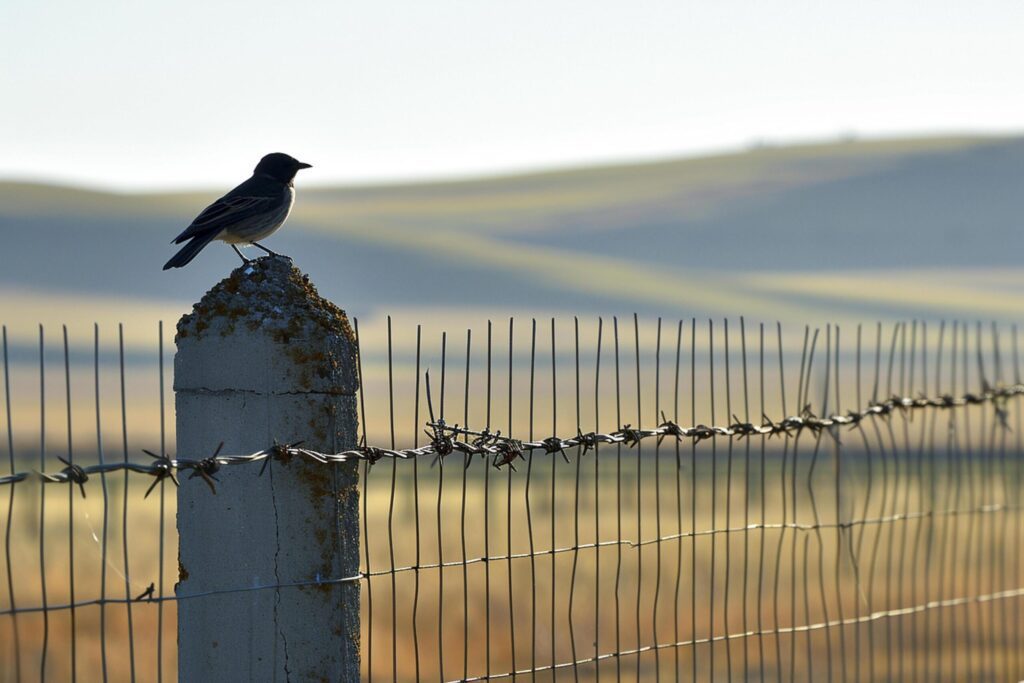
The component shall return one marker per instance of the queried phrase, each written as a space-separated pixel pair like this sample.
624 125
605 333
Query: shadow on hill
119 257
962 208
938 209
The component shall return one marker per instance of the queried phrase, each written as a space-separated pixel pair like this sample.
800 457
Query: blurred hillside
846 233
848 230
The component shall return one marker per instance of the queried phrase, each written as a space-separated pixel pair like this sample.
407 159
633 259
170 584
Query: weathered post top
268 300
264 359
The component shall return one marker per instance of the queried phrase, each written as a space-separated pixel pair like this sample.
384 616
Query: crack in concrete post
264 356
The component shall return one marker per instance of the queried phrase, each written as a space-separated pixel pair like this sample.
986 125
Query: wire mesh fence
881 543
569 500
88 560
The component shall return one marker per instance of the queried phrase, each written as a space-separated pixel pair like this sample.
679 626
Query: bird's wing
231 209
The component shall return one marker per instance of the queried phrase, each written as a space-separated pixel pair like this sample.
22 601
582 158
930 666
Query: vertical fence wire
462 517
745 623
528 499
763 481
416 503
106 502
618 504
124 507
553 504
508 508
576 504
11 593
693 498
783 510
837 492
42 506
487 515
1018 480
597 502
713 504
365 531
391 505
70 462
163 506
639 495
657 498
440 523
726 622
677 595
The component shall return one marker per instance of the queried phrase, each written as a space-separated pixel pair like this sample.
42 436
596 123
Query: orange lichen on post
263 359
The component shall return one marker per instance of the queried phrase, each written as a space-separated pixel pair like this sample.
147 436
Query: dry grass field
601 592
623 595
51 546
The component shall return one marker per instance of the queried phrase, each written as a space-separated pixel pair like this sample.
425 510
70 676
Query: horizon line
752 145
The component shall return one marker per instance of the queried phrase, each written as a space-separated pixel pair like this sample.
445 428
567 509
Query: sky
139 94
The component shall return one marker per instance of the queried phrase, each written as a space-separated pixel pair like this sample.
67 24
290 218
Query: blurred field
728 583
844 231
94 530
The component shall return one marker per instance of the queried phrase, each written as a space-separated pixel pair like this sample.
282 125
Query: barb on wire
207 468
74 474
440 441
163 467
282 452
505 450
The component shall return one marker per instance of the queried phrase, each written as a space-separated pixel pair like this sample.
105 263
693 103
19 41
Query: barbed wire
505 450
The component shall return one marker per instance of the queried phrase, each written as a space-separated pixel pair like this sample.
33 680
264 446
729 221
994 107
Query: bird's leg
244 260
257 244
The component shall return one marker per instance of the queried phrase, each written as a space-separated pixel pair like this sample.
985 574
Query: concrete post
263 357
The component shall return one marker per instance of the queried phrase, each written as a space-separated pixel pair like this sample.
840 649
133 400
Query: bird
250 212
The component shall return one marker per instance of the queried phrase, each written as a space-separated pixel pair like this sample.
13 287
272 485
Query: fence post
263 358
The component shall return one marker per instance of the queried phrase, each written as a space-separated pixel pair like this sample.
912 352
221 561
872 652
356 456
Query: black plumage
253 210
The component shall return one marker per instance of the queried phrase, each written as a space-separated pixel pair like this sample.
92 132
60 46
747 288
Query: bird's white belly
259 227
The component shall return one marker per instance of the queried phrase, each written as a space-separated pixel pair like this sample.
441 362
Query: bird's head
280 167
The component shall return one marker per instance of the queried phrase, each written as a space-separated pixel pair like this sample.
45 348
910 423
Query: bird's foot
245 261
269 252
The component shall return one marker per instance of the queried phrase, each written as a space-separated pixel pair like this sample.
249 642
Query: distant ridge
717 233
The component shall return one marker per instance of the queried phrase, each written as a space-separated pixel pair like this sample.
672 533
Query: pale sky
136 94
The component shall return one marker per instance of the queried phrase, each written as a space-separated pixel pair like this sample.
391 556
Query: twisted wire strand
444 440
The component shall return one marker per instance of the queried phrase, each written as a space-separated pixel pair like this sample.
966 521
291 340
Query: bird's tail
189 251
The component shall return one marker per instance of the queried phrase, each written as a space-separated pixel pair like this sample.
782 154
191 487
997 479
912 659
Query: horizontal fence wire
876 542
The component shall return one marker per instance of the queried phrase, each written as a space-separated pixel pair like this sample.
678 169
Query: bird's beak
302 165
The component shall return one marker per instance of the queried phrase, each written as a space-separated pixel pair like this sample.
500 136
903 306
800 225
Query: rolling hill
886 228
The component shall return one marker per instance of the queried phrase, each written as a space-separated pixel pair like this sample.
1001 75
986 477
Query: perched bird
253 210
